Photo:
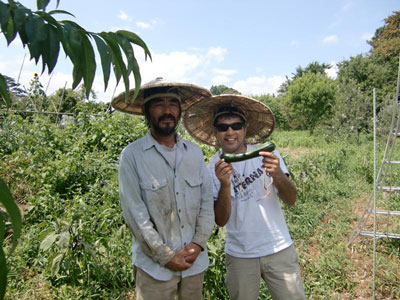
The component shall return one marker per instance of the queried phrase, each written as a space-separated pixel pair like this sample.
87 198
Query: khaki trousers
188 288
280 271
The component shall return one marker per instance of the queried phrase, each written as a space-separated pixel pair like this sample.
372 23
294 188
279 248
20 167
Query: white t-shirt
256 226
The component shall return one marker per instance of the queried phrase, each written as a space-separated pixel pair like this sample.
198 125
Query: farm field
75 245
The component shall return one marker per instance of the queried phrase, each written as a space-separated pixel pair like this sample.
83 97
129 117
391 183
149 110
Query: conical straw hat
199 117
188 94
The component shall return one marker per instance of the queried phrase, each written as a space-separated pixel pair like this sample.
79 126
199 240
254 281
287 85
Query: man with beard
165 191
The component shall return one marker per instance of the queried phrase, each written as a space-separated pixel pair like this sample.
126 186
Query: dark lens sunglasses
234 126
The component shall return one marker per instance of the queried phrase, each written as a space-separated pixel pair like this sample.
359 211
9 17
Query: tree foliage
310 98
44 36
314 67
386 41
223 89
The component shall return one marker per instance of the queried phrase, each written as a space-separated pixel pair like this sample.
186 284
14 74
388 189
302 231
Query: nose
230 130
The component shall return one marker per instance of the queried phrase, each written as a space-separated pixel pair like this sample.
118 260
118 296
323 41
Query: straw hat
199 118
187 93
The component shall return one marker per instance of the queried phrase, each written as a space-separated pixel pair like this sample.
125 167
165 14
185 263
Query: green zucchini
235 157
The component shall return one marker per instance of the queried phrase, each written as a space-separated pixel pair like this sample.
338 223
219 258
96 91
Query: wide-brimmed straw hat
185 92
199 118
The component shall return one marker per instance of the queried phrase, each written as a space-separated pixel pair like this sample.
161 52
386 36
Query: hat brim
188 94
198 118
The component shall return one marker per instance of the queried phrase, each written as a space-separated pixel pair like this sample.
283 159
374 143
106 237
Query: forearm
286 189
222 207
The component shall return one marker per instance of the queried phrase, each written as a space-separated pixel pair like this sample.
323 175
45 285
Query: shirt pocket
193 194
156 197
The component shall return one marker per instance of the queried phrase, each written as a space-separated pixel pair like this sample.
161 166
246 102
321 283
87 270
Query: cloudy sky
248 45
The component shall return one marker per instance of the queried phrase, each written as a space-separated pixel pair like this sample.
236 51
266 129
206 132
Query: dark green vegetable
232 157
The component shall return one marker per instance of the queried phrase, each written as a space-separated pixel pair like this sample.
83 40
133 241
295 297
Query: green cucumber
232 157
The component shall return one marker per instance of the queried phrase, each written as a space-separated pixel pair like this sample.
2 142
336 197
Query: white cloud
294 43
216 53
148 25
331 39
123 16
143 25
259 85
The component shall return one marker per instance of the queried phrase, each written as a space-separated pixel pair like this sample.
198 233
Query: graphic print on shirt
242 183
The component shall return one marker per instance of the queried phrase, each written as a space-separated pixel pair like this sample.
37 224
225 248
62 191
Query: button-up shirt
166 207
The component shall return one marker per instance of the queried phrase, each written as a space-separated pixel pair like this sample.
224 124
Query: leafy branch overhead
43 34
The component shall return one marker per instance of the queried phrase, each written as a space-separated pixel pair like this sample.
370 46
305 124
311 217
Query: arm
205 218
222 207
286 188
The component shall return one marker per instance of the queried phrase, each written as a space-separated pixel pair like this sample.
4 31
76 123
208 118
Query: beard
168 129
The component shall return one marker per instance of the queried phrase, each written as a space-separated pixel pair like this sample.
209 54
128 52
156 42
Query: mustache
166 116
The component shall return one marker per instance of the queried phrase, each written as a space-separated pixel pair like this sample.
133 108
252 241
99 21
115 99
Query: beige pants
280 271
148 288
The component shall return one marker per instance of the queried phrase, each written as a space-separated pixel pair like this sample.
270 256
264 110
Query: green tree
222 89
314 67
352 113
277 105
386 41
369 72
310 99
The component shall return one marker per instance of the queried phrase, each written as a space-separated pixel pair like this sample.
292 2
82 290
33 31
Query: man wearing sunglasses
246 197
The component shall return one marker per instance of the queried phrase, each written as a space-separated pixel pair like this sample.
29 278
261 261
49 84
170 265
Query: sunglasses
225 127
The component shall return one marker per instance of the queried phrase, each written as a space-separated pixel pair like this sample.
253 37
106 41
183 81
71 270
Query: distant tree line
310 100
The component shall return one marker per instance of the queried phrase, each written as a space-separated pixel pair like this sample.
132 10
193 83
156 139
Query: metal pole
375 183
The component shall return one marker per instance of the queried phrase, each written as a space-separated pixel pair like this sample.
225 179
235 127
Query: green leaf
119 65
134 38
49 19
133 66
48 241
4 91
3 273
59 11
105 57
63 241
4 16
50 56
89 67
11 33
21 14
55 266
42 4
36 33
13 211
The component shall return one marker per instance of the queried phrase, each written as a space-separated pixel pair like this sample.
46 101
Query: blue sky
248 45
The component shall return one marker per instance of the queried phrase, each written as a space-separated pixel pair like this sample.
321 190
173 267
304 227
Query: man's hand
223 171
271 164
192 251
178 262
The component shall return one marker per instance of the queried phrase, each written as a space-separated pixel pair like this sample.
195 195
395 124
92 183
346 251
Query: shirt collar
150 142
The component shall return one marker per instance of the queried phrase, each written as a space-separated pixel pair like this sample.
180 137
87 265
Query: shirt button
182 226
184 244
179 211
177 193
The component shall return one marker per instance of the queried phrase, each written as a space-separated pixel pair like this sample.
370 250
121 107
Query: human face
231 141
164 115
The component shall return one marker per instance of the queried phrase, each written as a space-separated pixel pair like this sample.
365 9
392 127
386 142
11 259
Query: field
75 244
